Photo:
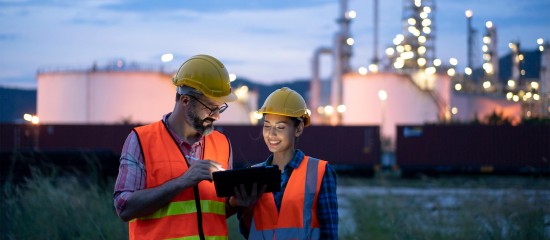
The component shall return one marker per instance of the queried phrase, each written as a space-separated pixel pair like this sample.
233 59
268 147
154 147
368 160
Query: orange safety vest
194 209
297 218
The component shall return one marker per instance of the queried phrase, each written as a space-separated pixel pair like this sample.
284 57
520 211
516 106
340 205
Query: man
160 188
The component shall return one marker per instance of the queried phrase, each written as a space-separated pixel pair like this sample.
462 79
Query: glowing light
241 92
427 9
509 95
399 63
469 13
485 48
535 85
329 110
422 39
400 48
489 24
167 57
232 77
430 70
536 97
468 71
408 47
421 50
540 41
257 115
437 62
451 72
407 55
373 68
458 86
421 61
427 30
541 48
35 120
426 22
488 67
486 39
382 95
453 61
341 108
351 14
411 21
390 51
27 117
423 15
418 3
511 83
363 70
454 110
350 41
515 98
321 110
486 84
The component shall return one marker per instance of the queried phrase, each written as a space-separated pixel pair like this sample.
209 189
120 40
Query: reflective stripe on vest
186 207
297 218
180 219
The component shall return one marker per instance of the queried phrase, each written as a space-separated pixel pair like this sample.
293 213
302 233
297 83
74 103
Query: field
79 206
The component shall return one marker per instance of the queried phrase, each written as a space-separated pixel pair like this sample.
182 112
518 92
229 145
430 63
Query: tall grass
55 206
473 213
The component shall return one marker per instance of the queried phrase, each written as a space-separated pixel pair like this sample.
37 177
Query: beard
202 126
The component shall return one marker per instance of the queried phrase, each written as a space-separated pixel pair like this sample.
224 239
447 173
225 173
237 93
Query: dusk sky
265 41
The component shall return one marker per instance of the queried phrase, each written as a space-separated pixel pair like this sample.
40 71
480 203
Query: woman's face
280 133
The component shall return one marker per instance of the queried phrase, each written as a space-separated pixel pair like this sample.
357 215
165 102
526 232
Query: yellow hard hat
206 74
286 102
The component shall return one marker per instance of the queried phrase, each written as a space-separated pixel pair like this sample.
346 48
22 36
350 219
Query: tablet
225 181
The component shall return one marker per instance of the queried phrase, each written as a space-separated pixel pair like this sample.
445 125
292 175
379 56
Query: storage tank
115 97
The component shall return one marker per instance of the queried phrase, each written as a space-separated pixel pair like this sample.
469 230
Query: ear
299 129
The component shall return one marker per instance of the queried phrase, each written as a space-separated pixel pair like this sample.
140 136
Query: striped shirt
131 171
327 202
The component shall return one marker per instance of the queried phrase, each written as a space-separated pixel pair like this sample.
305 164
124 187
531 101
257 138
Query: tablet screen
226 181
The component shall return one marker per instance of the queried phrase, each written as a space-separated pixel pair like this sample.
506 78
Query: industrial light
382 95
362 70
487 84
437 62
535 85
232 77
451 72
341 108
468 71
511 83
458 86
469 13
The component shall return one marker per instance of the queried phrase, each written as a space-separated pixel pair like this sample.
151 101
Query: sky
266 41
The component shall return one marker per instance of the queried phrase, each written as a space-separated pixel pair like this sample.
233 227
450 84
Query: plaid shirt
131 172
327 202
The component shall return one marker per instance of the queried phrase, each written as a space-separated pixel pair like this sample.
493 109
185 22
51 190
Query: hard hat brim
229 98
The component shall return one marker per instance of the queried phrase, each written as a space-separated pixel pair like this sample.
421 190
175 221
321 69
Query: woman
307 206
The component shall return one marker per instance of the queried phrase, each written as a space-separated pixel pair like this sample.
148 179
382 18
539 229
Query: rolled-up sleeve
131 172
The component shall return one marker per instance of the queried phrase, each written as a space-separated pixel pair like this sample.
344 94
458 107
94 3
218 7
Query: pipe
315 86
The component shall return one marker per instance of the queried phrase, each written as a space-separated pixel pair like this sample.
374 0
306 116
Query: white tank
113 97
405 102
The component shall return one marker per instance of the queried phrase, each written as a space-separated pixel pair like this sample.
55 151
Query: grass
479 207
59 207
53 204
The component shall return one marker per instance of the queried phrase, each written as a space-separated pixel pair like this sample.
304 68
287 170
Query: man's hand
242 199
200 170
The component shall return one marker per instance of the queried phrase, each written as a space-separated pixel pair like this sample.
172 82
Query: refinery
406 84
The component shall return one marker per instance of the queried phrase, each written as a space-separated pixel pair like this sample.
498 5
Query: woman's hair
296 121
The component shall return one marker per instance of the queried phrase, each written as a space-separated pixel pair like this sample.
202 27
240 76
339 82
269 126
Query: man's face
199 117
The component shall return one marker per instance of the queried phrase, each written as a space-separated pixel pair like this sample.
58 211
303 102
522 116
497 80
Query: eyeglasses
213 111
